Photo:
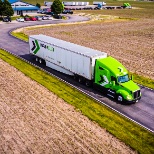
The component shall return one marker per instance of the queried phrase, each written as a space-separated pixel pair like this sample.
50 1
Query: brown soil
131 42
34 120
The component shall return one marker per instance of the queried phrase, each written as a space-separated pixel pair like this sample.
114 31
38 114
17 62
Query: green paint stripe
37 47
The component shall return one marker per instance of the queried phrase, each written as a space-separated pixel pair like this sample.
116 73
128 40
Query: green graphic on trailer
35 47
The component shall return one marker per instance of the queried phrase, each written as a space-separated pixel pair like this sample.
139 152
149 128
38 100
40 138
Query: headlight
129 97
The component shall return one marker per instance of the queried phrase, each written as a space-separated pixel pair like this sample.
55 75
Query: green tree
1 7
38 5
57 7
8 11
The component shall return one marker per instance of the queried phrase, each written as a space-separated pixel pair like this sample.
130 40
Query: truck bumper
133 101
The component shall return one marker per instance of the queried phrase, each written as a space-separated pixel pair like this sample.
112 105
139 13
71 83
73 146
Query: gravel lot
131 42
34 120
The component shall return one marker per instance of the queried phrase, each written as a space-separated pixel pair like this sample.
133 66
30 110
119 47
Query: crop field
34 120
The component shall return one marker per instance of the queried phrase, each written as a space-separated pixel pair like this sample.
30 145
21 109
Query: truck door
102 76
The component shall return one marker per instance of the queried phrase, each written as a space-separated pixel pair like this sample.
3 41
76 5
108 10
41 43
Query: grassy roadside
137 78
20 35
130 133
143 80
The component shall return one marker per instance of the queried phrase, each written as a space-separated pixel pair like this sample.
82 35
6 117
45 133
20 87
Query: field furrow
34 120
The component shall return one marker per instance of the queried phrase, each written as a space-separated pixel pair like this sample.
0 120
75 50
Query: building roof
31 7
25 8
13 1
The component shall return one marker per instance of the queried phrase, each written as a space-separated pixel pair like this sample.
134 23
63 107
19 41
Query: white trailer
80 3
66 57
85 3
49 3
101 3
69 3
76 3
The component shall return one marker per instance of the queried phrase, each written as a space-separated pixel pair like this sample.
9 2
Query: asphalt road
141 112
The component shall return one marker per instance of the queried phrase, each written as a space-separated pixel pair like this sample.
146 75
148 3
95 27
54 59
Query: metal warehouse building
21 7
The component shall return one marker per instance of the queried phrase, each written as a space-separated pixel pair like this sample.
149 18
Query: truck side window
101 68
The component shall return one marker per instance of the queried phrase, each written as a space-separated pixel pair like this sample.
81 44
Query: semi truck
89 66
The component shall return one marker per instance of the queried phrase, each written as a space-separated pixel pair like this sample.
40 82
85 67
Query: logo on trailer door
47 47
35 47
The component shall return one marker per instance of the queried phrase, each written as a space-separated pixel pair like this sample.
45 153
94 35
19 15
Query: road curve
141 112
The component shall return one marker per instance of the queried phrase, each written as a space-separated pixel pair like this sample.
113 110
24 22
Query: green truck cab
111 76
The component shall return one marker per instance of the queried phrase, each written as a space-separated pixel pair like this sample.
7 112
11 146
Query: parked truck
90 67
126 6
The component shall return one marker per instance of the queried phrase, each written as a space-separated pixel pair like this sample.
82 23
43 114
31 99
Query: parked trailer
80 3
49 4
76 3
69 3
87 65
100 3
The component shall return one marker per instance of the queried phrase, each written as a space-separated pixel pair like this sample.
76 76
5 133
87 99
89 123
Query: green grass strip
20 35
130 133
143 80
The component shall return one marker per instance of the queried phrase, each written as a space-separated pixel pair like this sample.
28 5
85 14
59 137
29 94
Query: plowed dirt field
131 42
34 120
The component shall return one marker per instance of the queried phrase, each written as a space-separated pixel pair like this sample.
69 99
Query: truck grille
136 94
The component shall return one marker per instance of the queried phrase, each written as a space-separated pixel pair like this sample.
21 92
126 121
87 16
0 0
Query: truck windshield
123 79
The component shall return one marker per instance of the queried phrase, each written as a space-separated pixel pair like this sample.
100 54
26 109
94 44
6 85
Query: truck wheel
120 98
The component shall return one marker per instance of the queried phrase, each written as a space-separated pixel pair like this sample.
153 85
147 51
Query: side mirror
113 83
131 77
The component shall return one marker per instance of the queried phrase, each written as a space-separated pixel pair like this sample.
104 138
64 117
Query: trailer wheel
44 62
88 83
40 61
120 98
75 77
80 80
36 59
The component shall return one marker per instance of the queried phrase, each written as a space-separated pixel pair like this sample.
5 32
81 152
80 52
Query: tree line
57 7
6 8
